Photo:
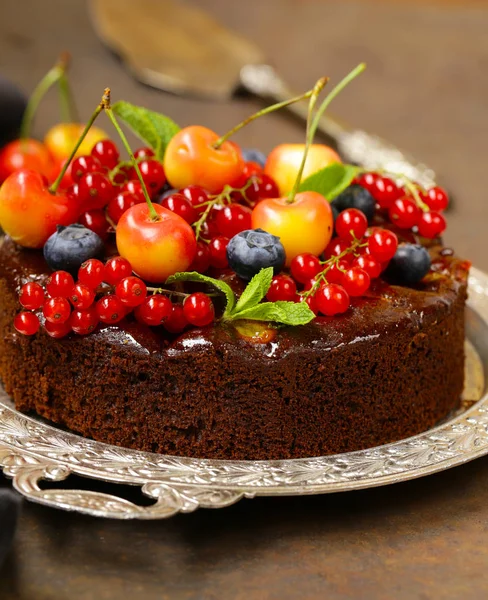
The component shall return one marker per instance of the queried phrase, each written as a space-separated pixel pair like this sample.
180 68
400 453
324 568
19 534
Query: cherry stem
319 86
152 211
51 77
54 187
68 106
260 113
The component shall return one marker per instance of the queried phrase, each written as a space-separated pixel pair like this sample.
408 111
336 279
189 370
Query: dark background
426 90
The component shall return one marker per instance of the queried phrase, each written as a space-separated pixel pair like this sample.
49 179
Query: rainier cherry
25 154
198 309
31 295
304 266
154 310
61 139
332 299
26 323
282 288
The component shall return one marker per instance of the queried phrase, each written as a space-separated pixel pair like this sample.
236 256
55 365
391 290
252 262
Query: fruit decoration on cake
191 231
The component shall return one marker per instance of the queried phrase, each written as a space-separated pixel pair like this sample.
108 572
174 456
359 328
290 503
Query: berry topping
82 296
382 244
431 225
31 296
26 323
154 310
60 283
84 322
110 309
436 199
115 269
404 213
56 310
351 224
252 250
304 266
71 246
131 291
410 264
198 309
355 196
355 281
385 191
332 299
282 288
91 273
367 263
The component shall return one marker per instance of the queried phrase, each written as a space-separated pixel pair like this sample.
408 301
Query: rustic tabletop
426 91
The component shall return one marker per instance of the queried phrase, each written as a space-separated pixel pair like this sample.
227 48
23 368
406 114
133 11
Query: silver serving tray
32 451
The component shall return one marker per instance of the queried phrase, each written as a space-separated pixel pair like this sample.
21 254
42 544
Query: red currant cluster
352 259
410 206
105 293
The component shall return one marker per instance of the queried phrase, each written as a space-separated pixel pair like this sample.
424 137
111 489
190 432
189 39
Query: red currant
178 204
201 262
355 281
368 180
152 174
145 152
337 270
176 321
57 330
436 198
332 299
197 197
367 263
82 165
154 310
134 187
96 221
198 309
233 219
218 252
56 310
385 191
95 190
304 266
60 283
404 213
110 309
336 247
251 168
106 153
81 296
120 203
91 273
382 244
131 291
31 295
351 224
26 323
312 303
116 269
84 322
261 187
283 288
431 225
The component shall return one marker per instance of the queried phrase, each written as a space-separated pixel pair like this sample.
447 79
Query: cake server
179 48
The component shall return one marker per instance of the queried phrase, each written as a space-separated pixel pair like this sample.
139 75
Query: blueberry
70 246
358 197
250 251
251 154
410 264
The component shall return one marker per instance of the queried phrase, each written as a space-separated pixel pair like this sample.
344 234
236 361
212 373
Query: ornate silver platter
33 453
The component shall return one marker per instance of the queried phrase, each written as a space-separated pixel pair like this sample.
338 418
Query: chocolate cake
390 367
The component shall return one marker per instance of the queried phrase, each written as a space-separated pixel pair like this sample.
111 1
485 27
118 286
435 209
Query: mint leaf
218 283
330 181
151 127
287 313
255 290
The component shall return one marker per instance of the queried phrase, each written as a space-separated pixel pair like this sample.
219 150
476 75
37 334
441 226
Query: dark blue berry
70 246
410 264
358 197
12 107
250 251
251 154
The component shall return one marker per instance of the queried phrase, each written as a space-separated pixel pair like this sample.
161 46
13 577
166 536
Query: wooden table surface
426 90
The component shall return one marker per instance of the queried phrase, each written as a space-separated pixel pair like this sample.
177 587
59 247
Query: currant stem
152 212
260 113
53 188
51 77
319 86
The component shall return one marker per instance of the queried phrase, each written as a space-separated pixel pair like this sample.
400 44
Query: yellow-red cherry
25 154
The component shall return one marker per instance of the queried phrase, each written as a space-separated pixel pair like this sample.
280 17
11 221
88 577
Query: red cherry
152 174
355 281
134 187
176 321
96 221
261 187
60 283
154 310
56 310
201 262
116 269
84 322
94 191
337 270
110 309
198 309
432 224
282 288
233 219
58 330
404 213
336 247
332 299
106 152
82 165
304 266
25 154
81 296
26 323
91 273
31 295
382 244
436 198
131 291
197 197
369 264
218 252
145 152
121 203
385 191
368 180
351 224
178 204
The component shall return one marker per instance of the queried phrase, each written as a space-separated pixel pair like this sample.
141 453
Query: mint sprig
331 180
249 305
151 127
